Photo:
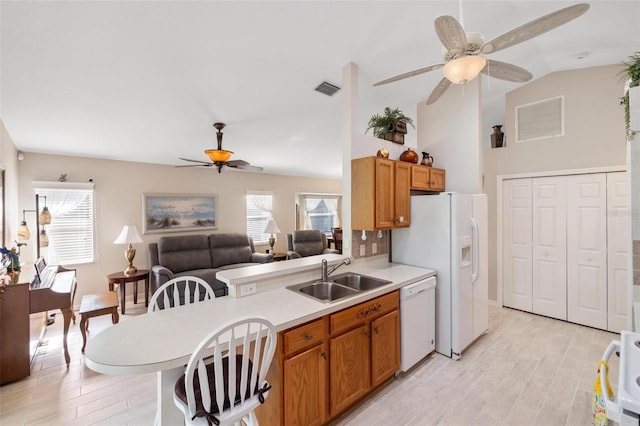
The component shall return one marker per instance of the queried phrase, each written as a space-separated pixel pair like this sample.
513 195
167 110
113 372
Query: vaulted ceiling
145 81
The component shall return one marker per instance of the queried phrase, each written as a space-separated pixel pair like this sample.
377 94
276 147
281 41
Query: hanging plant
630 72
385 123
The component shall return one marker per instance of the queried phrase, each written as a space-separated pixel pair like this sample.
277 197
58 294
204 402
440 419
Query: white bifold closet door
618 241
587 250
517 244
549 246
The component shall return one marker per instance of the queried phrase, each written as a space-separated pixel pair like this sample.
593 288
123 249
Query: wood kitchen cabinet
380 193
332 362
426 178
305 374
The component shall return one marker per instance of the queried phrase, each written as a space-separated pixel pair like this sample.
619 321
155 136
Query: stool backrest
228 369
180 291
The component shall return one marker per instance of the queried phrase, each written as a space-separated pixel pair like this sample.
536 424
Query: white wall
119 186
594 135
9 163
449 130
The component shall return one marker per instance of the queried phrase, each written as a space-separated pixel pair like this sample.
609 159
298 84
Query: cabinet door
385 347
437 179
549 246
305 387
402 206
617 255
516 236
385 193
349 355
587 250
420 177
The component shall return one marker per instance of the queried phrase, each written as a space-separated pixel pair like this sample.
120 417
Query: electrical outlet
374 248
362 250
247 289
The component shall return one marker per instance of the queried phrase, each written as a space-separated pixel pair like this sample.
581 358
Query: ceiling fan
464 52
220 157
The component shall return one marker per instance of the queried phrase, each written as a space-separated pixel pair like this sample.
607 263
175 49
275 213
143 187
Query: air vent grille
540 120
327 88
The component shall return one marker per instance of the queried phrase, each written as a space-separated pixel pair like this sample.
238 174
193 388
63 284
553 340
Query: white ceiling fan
464 52
220 157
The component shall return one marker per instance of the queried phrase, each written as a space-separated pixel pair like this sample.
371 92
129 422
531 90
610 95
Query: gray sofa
202 256
303 243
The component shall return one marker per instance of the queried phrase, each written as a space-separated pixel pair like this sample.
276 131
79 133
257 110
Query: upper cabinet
381 189
427 178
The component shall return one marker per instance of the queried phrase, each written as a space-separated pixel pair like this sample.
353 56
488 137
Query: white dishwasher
417 321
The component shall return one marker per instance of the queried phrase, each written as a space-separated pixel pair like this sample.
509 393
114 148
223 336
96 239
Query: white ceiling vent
327 88
540 120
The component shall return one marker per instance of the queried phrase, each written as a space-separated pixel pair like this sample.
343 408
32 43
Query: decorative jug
427 160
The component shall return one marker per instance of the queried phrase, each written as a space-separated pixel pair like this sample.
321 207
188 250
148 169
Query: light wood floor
528 370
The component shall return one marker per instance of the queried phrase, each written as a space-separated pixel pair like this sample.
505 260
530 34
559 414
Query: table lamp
129 235
272 228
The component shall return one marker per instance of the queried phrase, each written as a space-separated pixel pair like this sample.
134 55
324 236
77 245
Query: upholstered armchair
307 243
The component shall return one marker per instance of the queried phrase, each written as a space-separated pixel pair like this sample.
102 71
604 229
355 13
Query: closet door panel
517 244
587 250
549 249
618 241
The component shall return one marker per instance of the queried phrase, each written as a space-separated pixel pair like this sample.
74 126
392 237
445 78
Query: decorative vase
427 160
497 137
409 156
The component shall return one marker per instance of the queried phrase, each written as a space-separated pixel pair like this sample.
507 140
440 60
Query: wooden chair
242 353
180 291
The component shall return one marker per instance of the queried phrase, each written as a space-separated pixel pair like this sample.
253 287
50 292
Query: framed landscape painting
172 213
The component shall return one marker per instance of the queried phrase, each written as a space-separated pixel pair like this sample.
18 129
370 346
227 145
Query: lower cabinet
331 363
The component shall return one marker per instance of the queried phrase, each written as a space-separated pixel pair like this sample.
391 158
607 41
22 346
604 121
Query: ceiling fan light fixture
218 154
463 69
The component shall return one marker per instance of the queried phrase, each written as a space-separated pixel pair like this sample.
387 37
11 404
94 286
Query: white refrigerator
448 233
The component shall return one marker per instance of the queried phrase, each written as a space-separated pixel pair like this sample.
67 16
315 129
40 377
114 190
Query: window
259 211
71 232
321 212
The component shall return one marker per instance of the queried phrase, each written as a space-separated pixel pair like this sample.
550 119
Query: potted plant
630 72
391 125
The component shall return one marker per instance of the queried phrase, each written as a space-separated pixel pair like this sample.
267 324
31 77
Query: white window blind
259 211
540 120
71 232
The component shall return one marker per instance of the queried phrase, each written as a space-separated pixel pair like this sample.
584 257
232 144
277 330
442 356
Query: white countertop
166 339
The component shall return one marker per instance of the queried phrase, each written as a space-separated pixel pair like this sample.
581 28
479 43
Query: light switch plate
374 248
362 250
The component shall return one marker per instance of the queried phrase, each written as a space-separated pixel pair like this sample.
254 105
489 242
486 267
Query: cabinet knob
307 337
323 355
376 330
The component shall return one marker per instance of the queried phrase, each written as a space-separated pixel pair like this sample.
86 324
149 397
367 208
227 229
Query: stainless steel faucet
326 272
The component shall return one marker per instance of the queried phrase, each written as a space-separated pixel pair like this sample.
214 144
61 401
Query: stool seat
94 305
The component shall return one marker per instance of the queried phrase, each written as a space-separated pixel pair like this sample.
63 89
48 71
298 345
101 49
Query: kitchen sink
324 291
338 287
359 282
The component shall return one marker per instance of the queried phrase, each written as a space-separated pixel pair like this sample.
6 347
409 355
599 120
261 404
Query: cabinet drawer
304 336
364 311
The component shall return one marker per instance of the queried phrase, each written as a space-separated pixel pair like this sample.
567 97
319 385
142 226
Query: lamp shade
272 227
45 216
23 231
44 239
218 154
128 235
463 69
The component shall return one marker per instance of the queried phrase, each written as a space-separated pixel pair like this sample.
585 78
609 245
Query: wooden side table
122 279
277 257
94 305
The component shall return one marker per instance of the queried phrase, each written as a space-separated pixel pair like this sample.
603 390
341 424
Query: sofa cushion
184 253
209 275
308 243
230 248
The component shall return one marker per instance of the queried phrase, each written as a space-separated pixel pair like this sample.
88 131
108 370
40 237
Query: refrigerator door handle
475 246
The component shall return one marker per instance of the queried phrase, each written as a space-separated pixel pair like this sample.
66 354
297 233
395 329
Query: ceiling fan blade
249 167
450 32
206 163
242 165
438 91
505 71
195 165
535 28
408 74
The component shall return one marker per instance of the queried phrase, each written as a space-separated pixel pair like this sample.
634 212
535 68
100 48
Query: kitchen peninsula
163 341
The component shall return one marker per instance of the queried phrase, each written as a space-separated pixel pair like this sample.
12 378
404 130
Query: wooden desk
122 279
